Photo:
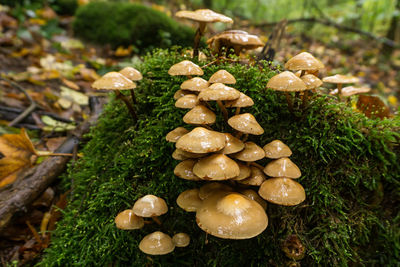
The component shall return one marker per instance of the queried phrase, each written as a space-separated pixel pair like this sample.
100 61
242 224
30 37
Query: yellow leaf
17 145
89 74
123 52
70 84
21 53
74 96
37 21
392 100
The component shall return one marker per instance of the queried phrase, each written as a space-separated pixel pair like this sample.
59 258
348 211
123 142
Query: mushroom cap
216 167
219 91
233 144
180 93
256 178
127 220
245 172
351 90
212 188
195 84
203 15
311 81
222 76
185 67
199 115
277 149
179 154
184 170
189 200
304 61
241 102
131 73
282 191
235 37
286 81
187 101
340 79
231 216
282 167
201 140
175 134
246 123
251 152
254 196
113 81
149 206
157 243
181 240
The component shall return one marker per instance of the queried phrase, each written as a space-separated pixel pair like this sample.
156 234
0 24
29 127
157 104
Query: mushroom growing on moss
340 80
127 220
157 243
150 206
133 75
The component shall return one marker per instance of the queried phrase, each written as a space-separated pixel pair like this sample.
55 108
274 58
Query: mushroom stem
302 72
133 97
339 87
305 99
223 109
127 103
237 111
155 218
197 38
238 134
289 101
257 165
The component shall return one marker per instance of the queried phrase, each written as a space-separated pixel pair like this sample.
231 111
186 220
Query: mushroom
184 170
254 196
200 115
241 102
187 101
233 144
282 167
181 240
216 167
282 191
256 178
201 140
133 75
189 200
277 149
150 206
157 243
245 123
245 172
340 80
185 67
251 152
304 62
175 134
127 220
180 93
203 16
222 76
210 189
195 84
351 90
179 154
311 83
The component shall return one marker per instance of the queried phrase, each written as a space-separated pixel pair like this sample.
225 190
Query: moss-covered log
350 167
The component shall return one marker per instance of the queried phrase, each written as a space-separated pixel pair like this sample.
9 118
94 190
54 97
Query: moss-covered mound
350 167
126 23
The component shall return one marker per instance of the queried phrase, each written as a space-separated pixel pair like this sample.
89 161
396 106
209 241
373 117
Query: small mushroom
189 200
175 134
157 243
254 196
185 67
184 170
181 240
277 149
195 84
201 140
282 167
200 115
311 82
133 75
180 93
304 62
241 102
187 101
127 220
150 206
251 152
222 76
351 90
233 144
216 167
210 189
256 178
282 191
246 123
340 80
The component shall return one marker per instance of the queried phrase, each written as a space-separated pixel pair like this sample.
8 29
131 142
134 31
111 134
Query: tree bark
393 29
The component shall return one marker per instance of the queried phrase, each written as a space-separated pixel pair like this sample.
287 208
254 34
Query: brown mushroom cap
199 115
233 144
203 15
251 152
157 243
351 90
195 84
210 189
181 240
219 91
311 81
113 81
277 149
282 191
127 220
149 206
246 123
179 154
254 196
286 81
180 93
222 76
187 101
304 61
201 140
189 200
282 167
231 216
184 170
216 167
241 102
131 73
340 79
256 178
175 134
235 38
245 172
185 67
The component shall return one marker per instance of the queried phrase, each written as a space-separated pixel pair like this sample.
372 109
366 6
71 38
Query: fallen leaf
17 145
89 74
123 52
57 126
70 84
372 106
74 96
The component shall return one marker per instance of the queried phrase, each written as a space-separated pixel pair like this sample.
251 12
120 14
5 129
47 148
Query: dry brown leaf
89 74
70 84
17 145
372 106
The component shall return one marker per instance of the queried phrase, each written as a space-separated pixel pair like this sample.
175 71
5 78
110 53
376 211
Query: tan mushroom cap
219 91
113 81
179 154
181 240
175 134
199 115
195 84
203 15
351 90
180 93
216 167
254 196
241 102
286 81
311 81
187 101
340 79
233 144
189 200
277 149
184 170
245 172
185 67
304 61
256 178
246 123
201 140
210 189
251 152
127 220
282 191
235 37
222 76
282 167
131 73
157 243
149 206
231 216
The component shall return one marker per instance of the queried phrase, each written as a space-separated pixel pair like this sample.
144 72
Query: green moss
65 7
350 167
125 24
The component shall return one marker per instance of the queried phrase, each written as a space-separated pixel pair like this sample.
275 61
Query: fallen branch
17 197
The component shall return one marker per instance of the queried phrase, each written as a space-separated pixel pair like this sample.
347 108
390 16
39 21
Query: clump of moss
350 174
117 24
65 7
